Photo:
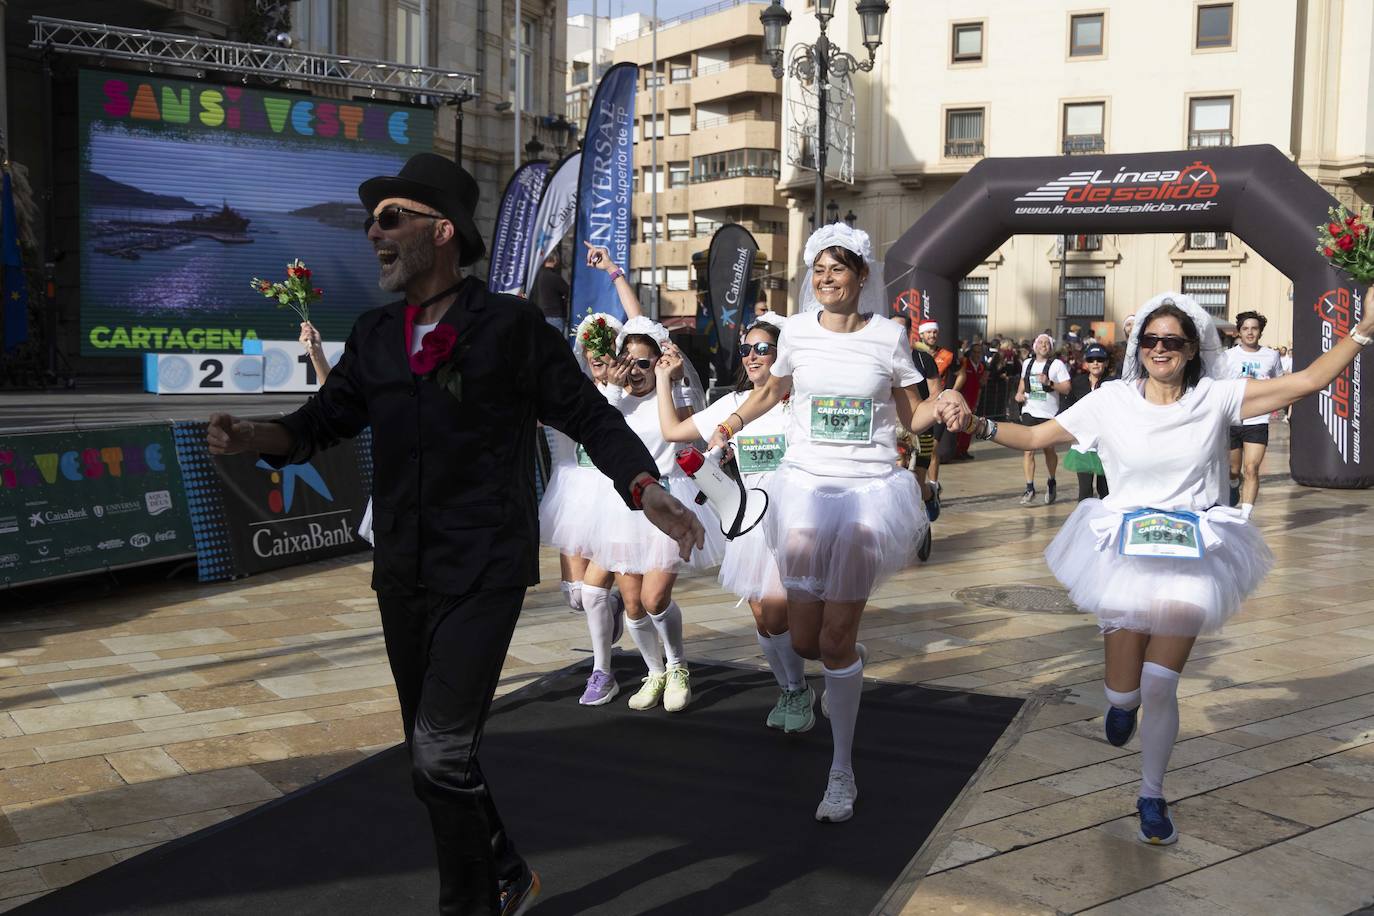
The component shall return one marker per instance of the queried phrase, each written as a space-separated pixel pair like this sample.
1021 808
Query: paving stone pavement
133 714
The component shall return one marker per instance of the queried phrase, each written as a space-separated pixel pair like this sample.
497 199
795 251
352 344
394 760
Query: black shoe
933 504
923 553
517 895
1235 497
1051 491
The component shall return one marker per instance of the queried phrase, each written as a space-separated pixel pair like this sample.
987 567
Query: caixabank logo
312 530
1126 191
1339 403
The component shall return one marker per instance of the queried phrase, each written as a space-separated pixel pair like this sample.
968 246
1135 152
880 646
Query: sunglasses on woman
1171 342
762 348
641 363
390 217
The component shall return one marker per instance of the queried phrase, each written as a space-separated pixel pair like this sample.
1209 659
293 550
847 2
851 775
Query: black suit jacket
454 506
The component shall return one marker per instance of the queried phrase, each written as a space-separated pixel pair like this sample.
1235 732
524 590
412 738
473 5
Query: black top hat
437 182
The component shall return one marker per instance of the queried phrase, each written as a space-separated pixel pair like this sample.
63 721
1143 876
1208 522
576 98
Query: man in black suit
454 510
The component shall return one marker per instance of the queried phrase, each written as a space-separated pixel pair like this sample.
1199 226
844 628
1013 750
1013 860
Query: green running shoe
801 715
777 716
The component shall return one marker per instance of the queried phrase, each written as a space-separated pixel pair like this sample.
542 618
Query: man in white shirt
1250 439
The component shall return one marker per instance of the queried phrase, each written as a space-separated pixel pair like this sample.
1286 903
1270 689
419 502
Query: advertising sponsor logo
159 501
99 511
110 544
1339 404
169 535
9 524
273 541
118 508
280 500
9 560
140 540
1126 191
51 517
77 551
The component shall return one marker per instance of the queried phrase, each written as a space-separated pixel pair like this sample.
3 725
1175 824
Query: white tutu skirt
1166 596
838 539
627 542
749 569
574 506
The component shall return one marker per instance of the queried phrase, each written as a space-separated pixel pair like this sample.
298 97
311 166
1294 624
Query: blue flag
16 288
510 242
604 190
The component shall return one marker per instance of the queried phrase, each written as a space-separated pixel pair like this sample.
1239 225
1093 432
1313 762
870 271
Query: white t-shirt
1262 363
417 335
1164 456
1286 361
843 422
760 446
1040 401
641 414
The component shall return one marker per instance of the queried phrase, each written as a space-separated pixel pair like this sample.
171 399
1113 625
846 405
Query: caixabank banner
249 517
81 501
190 189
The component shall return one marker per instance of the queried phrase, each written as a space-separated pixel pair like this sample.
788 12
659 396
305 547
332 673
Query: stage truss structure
108 42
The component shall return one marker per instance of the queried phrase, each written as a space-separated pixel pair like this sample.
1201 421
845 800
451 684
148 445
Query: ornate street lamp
815 62
832 210
534 149
851 218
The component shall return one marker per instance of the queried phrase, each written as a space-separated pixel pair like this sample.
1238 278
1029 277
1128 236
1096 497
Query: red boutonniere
436 358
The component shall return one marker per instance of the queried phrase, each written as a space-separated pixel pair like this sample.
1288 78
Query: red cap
690 460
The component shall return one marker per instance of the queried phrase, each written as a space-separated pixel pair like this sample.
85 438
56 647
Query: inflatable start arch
1253 191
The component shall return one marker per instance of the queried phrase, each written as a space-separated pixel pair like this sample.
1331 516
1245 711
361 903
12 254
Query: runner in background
917 450
942 360
1043 380
1250 439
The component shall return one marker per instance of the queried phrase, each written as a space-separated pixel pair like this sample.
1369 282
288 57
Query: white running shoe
678 691
863 657
840 794
652 691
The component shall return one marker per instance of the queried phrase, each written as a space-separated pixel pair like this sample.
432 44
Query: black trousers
446 653
1085 485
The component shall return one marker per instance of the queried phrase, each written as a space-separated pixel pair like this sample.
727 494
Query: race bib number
583 461
1037 391
1151 533
758 454
841 419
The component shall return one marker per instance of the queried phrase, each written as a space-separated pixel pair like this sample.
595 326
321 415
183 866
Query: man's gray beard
414 256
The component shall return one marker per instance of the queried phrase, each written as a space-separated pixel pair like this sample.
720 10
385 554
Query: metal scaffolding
111 42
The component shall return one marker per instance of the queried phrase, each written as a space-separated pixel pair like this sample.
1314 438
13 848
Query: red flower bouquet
295 293
597 337
1347 242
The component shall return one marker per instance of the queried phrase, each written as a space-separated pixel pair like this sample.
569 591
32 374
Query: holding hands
952 410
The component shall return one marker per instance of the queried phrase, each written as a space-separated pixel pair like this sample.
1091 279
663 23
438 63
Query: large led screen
189 189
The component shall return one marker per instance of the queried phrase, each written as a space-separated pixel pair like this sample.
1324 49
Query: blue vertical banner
604 190
510 240
15 287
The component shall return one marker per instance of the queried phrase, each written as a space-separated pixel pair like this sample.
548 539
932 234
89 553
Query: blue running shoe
1120 725
933 504
1155 826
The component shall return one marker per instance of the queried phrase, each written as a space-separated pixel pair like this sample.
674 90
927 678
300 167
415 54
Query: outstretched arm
600 258
1263 396
1024 438
764 399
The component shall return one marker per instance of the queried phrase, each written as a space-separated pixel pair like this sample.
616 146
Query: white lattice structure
800 126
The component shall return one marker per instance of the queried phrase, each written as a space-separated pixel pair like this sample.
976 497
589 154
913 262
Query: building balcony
750 77
742 131
672 95
676 253
670 200
963 149
671 148
747 190
1084 144
1209 139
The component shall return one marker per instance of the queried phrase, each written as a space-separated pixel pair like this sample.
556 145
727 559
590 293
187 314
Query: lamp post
851 219
534 150
832 210
817 61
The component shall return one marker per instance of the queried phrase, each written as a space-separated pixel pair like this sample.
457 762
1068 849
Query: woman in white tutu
633 553
1162 558
842 516
749 569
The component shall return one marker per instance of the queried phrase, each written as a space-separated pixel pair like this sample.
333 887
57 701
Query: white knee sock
572 593
1127 701
646 641
668 625
770 652
1158 726
843 689
596 602
792 663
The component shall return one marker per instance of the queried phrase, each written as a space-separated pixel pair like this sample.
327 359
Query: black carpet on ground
621 812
